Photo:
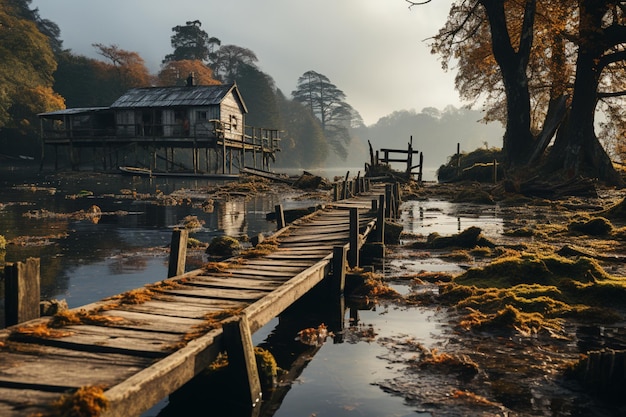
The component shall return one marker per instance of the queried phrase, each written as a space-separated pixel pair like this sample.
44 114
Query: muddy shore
528 305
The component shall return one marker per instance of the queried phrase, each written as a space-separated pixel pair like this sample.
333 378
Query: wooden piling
280 216
22 291
339 270
353 253
241 360
380 219
178 253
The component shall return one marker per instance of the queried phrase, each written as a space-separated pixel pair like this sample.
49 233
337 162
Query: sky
376 51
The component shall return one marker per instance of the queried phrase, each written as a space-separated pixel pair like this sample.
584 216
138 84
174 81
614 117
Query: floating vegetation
3 243
530 293
596 226
193 243
510 318
393 232
373 287
314 336
461 365
468 238
267 367
472 398
223 246
192 223
88 401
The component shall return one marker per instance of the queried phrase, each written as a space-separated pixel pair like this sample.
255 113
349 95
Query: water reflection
81 259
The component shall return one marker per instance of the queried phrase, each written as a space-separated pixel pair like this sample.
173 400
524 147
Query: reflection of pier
146 344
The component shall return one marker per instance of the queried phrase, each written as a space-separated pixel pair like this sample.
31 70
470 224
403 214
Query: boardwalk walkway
143 345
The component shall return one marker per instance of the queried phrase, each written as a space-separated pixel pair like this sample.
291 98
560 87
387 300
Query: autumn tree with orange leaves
176 73
541 67
126 69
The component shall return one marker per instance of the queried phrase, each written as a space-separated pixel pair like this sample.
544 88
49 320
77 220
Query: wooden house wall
125 123
232 117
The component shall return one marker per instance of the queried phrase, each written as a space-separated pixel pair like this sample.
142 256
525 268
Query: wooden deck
141 350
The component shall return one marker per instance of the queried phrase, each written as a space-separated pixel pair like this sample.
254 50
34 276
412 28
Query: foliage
191 43
176 72
327 103
26 67
223 246
258 92
126 69
525 58
229 60
303 138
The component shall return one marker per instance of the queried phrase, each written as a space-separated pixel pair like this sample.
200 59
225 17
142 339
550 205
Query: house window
233 122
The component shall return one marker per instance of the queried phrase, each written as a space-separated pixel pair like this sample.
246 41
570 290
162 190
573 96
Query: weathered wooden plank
267 272
109 339
181 307
251 276
71 369
264 310
314 237
272 263
20 402
221 293
154 322
231 282
144 389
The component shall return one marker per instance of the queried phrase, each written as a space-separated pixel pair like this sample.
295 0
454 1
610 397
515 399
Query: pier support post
339 270
380 219
353 254
280 216
22 291
241 360
178 253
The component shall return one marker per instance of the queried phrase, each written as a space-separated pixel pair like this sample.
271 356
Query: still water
83 261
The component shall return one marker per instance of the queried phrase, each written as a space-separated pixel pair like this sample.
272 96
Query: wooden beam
178 253
242 362
22 291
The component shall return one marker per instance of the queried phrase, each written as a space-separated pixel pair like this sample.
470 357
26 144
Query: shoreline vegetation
535 321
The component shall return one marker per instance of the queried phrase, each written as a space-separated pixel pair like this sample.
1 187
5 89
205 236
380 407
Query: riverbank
533 295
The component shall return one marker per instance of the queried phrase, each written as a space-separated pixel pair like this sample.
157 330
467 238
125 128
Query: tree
523 55
327 103
191 43
229 60
26 67
258 92
602 36
176 73
126 69
303 138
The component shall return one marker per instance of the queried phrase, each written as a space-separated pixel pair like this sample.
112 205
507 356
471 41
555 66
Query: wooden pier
135 349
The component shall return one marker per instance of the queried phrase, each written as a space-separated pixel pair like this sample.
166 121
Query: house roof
198 95
73 111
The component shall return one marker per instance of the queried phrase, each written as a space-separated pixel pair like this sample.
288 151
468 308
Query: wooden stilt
280 216
380 220
339 270
178 253
353 253
241 360
22 291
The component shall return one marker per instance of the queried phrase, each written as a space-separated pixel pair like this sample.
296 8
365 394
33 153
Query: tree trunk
518 138
577 150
